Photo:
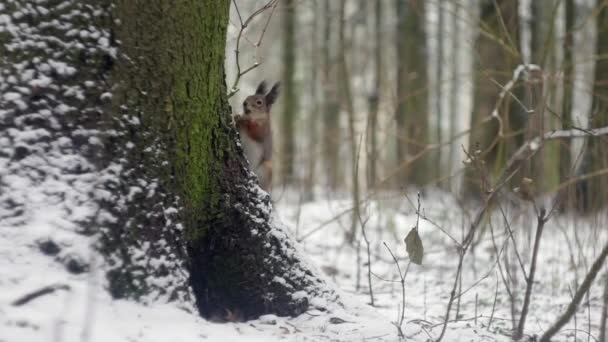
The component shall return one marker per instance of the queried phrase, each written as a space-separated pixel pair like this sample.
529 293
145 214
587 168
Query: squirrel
256 133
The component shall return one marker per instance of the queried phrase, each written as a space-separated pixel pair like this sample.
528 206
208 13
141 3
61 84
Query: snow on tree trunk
55 59
584 45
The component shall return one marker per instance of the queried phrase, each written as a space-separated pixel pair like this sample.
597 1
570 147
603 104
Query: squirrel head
259 104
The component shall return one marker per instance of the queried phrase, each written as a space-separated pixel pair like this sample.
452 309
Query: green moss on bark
179 51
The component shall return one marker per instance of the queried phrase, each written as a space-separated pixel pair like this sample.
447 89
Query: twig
369 260
402 276
510 234
493 305
588 318
604 311
421 215
271 4
476 303
452 295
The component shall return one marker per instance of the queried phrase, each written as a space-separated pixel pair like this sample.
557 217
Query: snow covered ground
80 310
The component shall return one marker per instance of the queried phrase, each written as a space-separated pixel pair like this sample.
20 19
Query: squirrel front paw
237 118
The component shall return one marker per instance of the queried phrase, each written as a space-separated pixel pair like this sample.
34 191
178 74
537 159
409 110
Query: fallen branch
38 293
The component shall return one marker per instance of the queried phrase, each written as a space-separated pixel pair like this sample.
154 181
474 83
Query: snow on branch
509 86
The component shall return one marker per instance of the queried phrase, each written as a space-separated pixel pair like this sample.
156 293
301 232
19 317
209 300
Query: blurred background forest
387 94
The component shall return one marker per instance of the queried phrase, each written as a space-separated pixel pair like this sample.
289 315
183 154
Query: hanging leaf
413 246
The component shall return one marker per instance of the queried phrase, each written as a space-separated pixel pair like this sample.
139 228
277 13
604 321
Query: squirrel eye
244 103
259 102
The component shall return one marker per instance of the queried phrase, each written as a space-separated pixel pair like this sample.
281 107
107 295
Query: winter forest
303 170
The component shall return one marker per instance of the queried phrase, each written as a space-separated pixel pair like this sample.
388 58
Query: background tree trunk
547 51
374 99
464 81
313 117
497 58
584 46
411 107
331 110
346 98
290 101
598 148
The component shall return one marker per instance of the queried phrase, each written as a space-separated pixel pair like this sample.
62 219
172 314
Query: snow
86 312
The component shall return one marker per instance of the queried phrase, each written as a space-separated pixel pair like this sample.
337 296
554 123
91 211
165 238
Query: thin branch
493 305
604 311
578 296
541 220
452 296
402 276
272 4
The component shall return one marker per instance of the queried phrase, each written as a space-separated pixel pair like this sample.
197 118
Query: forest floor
79 309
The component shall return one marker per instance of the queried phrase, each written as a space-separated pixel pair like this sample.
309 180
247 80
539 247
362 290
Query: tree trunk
584 46
331 110
597 153
497 58
411 115
448 39
289 91
313 119
137 103
240 259
548 52
465 36
374 99
347 99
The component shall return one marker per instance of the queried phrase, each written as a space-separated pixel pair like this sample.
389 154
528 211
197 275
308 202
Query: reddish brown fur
256 129
256 132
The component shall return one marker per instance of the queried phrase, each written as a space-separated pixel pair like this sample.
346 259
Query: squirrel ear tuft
272 96
261 90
